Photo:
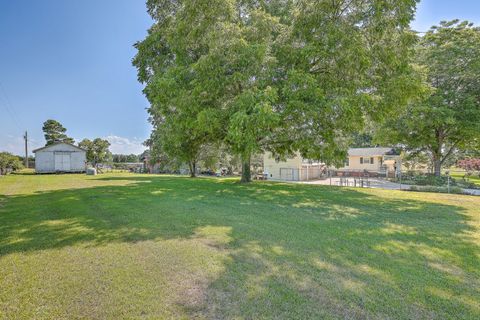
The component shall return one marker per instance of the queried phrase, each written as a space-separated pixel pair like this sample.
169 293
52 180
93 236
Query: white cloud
121 145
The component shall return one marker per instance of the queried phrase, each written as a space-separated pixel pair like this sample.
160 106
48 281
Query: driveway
475 192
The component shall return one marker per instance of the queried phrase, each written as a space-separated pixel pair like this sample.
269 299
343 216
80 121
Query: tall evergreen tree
54 132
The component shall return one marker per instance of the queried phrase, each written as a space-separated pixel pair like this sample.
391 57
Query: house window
371 160
347 162
366 160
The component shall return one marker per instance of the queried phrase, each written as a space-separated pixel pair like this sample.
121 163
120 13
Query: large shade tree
282 75
448 118
182 122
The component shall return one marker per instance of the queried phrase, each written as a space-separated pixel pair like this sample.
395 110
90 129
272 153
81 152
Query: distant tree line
125 158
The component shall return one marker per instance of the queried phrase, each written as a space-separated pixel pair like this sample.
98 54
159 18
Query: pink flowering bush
469 164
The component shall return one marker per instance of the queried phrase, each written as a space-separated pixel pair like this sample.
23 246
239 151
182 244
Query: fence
321 172
448 179
362 173
452 181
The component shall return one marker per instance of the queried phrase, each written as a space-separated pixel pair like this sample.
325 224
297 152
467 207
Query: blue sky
71 61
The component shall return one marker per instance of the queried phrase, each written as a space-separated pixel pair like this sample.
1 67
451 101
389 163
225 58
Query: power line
8 107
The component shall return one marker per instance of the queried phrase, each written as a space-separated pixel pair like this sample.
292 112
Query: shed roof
371 152
57 143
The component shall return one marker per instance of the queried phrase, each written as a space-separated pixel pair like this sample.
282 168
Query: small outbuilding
60 157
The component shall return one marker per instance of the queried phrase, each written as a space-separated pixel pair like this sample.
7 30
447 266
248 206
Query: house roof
57 143
371 152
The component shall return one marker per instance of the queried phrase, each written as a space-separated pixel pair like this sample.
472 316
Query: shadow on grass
296 251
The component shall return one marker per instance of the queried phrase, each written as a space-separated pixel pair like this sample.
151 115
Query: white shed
60 157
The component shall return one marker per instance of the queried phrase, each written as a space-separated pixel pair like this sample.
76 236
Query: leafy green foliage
281 76
422 179
55 132
9 162
97 150
415 160
425 179
125 158
362 140
428 188
345 63
448 118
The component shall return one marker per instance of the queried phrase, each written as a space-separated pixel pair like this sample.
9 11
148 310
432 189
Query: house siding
355 164
272 167
45 158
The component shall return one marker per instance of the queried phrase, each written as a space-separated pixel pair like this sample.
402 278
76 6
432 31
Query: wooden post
26 149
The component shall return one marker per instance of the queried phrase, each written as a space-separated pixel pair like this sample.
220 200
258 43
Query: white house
375 161
360 161
60 157
293 169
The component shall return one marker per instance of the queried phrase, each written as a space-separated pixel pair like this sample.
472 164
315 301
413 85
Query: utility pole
26 149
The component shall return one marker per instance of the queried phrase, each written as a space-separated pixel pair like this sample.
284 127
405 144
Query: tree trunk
193 168
437 166
246 173
437 153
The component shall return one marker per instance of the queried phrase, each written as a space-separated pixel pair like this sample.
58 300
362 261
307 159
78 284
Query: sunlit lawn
139 246
460 175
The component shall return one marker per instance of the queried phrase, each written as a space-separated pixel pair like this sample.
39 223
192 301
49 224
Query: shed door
58 161
62 161
66 162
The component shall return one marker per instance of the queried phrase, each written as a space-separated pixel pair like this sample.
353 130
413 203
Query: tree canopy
448 117
9 162
97 150
54 132
282 75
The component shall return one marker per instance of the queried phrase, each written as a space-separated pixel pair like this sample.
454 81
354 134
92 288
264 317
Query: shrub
469 164
426 180
467 184
431 180
9 162
454 190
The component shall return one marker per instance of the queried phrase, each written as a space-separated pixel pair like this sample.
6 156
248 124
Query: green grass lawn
459 176
151 247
